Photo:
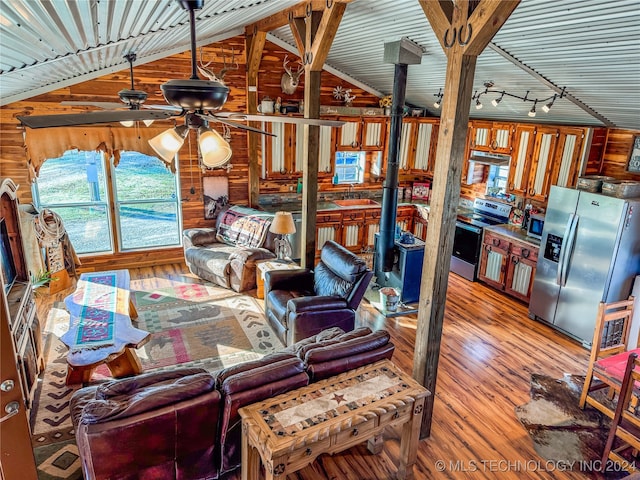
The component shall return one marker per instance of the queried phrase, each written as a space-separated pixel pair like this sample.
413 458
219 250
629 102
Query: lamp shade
283 224
167 144
214 149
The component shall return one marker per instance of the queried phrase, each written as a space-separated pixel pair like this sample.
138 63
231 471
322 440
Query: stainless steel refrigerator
589 252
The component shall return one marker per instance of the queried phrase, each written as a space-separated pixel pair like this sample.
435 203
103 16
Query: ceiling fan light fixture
214 149
127 123
167 144
148 123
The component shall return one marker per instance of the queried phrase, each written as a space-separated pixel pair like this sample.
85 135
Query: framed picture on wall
634 158
216 196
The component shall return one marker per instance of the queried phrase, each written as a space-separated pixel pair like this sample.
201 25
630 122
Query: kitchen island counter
515 232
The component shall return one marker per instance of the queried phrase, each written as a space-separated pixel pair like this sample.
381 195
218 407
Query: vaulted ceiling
588 49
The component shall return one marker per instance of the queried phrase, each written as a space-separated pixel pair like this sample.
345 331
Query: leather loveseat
226 255
184 424
301 303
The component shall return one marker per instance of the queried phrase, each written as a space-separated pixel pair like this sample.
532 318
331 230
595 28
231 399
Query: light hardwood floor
489 350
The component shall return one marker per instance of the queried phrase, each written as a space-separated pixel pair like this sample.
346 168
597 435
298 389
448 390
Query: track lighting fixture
438 101
547 107
547 102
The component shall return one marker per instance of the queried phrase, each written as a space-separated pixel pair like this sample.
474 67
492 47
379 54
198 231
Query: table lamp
283 225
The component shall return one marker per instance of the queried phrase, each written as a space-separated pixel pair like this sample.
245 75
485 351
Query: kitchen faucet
349 193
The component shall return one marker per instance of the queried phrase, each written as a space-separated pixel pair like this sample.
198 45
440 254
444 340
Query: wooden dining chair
626 421
609 353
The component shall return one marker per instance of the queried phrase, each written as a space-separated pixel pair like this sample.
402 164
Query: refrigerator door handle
563 250
569 249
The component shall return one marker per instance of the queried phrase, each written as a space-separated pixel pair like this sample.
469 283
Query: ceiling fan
195 99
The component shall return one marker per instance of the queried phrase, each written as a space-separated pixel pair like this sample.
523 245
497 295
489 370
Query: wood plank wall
148 77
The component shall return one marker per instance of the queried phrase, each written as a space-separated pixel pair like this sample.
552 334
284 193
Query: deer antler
285 65
233 65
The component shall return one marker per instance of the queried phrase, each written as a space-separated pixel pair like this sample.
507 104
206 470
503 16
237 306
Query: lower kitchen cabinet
507 264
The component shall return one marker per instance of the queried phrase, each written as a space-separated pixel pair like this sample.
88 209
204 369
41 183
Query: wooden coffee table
289 431
100 329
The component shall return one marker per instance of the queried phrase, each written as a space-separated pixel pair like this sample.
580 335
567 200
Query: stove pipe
401 54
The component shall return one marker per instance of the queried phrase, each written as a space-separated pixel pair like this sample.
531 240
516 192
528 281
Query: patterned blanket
238 228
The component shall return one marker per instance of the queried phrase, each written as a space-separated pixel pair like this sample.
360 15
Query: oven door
466 250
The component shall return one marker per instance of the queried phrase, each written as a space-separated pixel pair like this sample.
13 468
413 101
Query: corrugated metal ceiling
589 47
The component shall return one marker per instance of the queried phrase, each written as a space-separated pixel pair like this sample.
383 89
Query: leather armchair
302 303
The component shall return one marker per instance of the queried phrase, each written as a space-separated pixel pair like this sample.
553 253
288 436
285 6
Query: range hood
487 158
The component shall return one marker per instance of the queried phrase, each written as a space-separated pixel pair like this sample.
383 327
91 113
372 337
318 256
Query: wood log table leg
409 442
79 374
133 312
126 364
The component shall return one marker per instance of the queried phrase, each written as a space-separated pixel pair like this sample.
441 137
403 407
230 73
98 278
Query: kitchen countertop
515 232
326 205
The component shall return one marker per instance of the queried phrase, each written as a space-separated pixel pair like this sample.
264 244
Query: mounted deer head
290 80
204 70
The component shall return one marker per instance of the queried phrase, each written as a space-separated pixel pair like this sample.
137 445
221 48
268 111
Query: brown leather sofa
184 423
226 255
302 303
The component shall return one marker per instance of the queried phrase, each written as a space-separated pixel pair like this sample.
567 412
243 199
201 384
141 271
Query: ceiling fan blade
162 107
280 119
104 105
213 118
90 118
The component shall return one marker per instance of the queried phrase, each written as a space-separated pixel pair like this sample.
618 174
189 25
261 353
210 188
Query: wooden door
374 131
350 134
541 163
567 159
501 137
16 451
372 226
521 160
480 135
328 227
353 230
520 274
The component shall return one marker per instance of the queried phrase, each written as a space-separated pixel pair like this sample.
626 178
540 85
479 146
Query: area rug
191 324
560 430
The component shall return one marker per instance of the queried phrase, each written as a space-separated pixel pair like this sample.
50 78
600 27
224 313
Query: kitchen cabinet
521 160
540 171
493 260
362 133
371 227
404 217
353 228
533 162
508 264
491 136
424 152
283 155
420 222
328 227
567 158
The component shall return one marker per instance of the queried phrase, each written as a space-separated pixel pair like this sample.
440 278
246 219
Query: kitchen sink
357 202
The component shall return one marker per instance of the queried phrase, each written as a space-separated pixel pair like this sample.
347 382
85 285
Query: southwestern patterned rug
191 324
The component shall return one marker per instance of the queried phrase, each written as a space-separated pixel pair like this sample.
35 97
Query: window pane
141 177
87 226
149 225
73 178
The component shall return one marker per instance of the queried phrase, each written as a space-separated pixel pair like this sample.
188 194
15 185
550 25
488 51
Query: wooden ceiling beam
484 19
284 17
324 35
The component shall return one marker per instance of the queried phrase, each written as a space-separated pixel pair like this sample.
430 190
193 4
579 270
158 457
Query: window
143 197
349 167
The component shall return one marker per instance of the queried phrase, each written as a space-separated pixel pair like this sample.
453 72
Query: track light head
532 112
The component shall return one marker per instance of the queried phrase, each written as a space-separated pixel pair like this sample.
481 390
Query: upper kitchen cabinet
426 135
541 162
283 155
491 136
521 160
567 158
362 133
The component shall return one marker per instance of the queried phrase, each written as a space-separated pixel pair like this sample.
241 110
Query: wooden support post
463 34
254 45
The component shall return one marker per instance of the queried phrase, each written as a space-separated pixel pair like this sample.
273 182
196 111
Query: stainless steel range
467 242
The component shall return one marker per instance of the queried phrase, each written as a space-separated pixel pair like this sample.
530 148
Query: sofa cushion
249 375
214 259
147 398
348 344
238 227
126 386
